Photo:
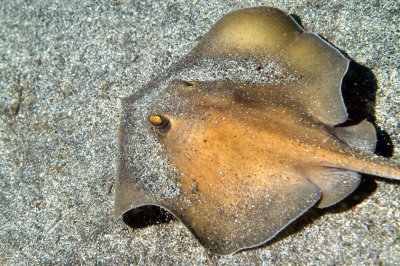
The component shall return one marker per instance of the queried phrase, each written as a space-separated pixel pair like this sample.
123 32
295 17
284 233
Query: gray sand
64 66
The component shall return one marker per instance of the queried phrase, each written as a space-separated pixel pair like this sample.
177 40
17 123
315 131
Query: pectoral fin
235 216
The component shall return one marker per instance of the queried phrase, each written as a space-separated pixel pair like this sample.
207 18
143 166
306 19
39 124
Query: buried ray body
239 138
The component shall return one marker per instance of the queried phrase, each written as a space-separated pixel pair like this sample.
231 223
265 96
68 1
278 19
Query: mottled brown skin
253 157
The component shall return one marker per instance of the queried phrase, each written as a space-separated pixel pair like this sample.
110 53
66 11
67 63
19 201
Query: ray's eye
160 122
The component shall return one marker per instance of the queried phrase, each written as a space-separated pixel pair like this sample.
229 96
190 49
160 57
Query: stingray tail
375 165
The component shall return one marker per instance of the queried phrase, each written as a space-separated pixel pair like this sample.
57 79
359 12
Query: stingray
243 135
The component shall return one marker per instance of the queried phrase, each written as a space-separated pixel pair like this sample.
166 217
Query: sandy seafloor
64 66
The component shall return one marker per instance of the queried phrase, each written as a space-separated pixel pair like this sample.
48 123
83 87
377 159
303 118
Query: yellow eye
155 120
160 122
